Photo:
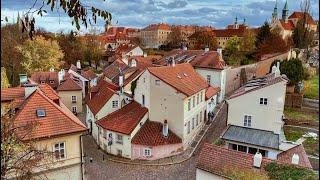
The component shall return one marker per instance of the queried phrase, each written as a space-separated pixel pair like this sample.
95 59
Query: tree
302 37
247 42
293 69
263 34
4 79
93 52
40 55
204 39
19 156
232 54
175 38
273 44
10 57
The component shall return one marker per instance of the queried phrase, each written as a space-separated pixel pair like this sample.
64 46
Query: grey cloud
174 4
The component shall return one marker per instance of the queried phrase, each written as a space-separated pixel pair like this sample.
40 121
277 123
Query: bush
293 69
284 172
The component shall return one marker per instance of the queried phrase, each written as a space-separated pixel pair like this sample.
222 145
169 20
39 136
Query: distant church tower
236 25
285 12
275 12
107 26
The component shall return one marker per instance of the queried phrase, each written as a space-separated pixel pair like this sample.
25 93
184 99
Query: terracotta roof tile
49 92
286 156
70 84
113 69
182 77
125 119
150 134
46 77
58 120
160 26
211 91
229 32
287 25
101 96
299 15
9 94
89 74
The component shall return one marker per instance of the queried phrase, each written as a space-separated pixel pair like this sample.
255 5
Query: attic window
179 77
41 113
51 82
42 82
185 74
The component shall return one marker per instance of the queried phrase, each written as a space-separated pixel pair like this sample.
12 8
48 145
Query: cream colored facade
277 26
154 38
204 175
69 168
66 98
125 146
265 117
165 103
222 41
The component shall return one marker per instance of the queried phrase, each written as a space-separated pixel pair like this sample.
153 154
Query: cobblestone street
105 169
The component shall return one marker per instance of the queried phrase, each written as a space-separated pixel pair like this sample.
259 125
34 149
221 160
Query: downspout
81 154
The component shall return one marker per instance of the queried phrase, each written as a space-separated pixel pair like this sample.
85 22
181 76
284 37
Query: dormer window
41 113
157 82
42 82
51 81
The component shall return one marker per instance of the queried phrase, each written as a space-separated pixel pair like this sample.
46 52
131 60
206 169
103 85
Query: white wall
218 78
204 175
265 117
211 104
82 79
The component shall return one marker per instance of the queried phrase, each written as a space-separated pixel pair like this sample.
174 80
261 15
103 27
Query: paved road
103 169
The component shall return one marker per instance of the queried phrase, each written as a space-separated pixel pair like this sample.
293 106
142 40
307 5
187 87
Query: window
119 152
197 99
59 151
242 148
114 104
144 80
147 152
264 101
41 113
194 101
119 139
51 82
74 109
157 82
188 127
201 97
143 100
252 150
192 123
197 120
42 82
247 121
200 116
233 146
209 79
73 99
189 104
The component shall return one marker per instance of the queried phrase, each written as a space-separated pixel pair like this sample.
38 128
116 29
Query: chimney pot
165 129
257 159
219 50
295 159
185 48
206 49
145 55
78 64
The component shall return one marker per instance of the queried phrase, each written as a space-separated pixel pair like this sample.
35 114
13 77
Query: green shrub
284 172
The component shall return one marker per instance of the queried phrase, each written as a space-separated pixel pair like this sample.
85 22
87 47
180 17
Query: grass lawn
311 146
293 114
311 88
293 134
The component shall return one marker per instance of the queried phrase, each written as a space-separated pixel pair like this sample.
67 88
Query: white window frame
75 109
247 120
59 149
74 100
197 99
157 82
263 101
115 104
119 139
194 101
148 150
51 81
209 79
189 104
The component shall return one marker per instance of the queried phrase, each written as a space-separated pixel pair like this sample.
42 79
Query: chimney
277 70
78 64
257 159
23 79
61 74
219 50
145 54
206 49
28 90
295 159
165 129
173 62
274 68
184 48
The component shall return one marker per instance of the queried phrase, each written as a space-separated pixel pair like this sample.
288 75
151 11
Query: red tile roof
46 77
150 134
49 92
124 49
89 74
9 94
211 91
113 69
286 156
69 84
160 26
144 62
101 96
57 121
229 32
299 15
218 160
125 119
287 25
182 77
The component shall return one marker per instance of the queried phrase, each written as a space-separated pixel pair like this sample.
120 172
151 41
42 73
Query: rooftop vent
179 77
41 113
257 159
185 74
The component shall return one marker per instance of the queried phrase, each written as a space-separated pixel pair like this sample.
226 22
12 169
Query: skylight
41 113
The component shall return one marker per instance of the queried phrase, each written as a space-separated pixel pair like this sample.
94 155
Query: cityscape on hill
159 89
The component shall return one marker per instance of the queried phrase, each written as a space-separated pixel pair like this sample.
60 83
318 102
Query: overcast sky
140 13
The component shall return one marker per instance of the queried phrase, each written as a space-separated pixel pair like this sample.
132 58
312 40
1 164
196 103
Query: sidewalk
177 159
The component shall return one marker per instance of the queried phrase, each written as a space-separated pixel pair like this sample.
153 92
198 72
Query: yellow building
155 35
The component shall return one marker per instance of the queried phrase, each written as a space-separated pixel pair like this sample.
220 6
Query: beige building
155 35
164 92
70 93
60 135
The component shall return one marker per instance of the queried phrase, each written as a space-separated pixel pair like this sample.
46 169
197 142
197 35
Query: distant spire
285 12
236 22
244 21
286 5
275 12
